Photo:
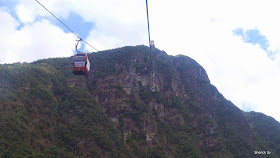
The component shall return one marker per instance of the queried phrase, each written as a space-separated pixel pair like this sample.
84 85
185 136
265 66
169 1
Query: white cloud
201 29
117 23
242 72
25 15
9 23
33 41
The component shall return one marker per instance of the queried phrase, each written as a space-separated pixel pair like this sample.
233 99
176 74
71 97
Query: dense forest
46 111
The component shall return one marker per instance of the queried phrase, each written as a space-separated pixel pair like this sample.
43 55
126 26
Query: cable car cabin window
80 58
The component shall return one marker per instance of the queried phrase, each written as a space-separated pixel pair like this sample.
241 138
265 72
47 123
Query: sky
236 41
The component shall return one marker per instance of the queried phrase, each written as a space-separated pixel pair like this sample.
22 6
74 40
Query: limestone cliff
46 111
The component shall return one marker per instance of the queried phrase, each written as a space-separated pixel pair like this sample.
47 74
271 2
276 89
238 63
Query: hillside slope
48 112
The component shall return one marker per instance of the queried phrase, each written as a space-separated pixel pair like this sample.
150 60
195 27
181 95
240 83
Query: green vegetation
41 115
266 130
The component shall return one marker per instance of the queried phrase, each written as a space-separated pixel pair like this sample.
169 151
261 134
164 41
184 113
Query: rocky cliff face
184 98
111 113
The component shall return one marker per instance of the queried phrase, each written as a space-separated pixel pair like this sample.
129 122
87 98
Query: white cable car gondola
81 64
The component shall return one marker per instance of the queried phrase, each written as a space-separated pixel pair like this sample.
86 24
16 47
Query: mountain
46 111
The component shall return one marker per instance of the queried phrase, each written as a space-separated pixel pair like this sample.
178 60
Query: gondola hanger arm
78 44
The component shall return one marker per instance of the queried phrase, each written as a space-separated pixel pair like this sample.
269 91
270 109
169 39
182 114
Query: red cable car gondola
81 64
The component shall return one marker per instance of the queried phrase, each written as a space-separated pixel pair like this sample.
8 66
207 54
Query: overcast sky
236 41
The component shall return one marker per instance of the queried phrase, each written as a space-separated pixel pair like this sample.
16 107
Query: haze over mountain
46 111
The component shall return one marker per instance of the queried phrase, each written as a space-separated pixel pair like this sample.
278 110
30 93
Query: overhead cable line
148 22
151 47
150 57
65 25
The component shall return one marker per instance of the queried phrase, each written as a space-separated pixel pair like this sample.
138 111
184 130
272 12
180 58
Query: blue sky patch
8 3
76 23
252 36
9 6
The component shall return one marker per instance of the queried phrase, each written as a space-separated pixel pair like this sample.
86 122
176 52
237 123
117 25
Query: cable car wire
66 25
151 44
150 100
145 67
148 21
